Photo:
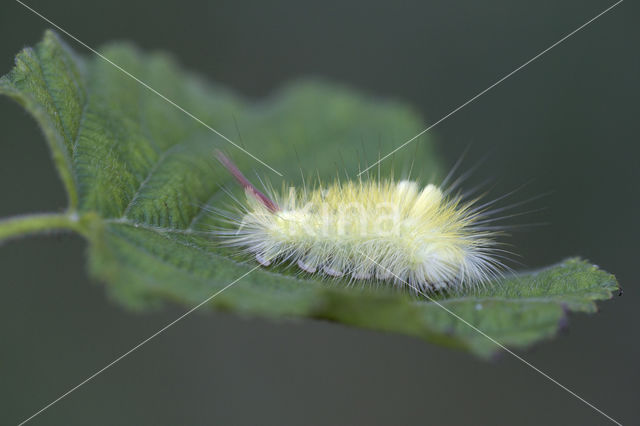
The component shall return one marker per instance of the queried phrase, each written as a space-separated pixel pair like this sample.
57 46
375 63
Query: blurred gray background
568 123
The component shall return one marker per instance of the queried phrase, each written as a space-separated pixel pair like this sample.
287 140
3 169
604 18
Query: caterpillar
367 230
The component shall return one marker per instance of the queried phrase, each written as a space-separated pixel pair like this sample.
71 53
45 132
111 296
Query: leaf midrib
161 231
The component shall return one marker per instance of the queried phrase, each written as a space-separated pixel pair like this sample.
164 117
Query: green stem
37 223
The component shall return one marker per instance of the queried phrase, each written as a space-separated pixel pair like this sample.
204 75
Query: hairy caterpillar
376 230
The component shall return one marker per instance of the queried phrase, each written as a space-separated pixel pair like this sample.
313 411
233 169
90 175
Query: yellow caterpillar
378 230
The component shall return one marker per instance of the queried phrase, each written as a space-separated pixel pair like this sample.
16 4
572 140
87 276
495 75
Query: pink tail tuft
248 186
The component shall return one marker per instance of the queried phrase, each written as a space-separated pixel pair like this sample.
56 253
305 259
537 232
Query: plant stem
36 223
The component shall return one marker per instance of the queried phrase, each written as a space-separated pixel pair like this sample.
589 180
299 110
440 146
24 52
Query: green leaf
140 176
